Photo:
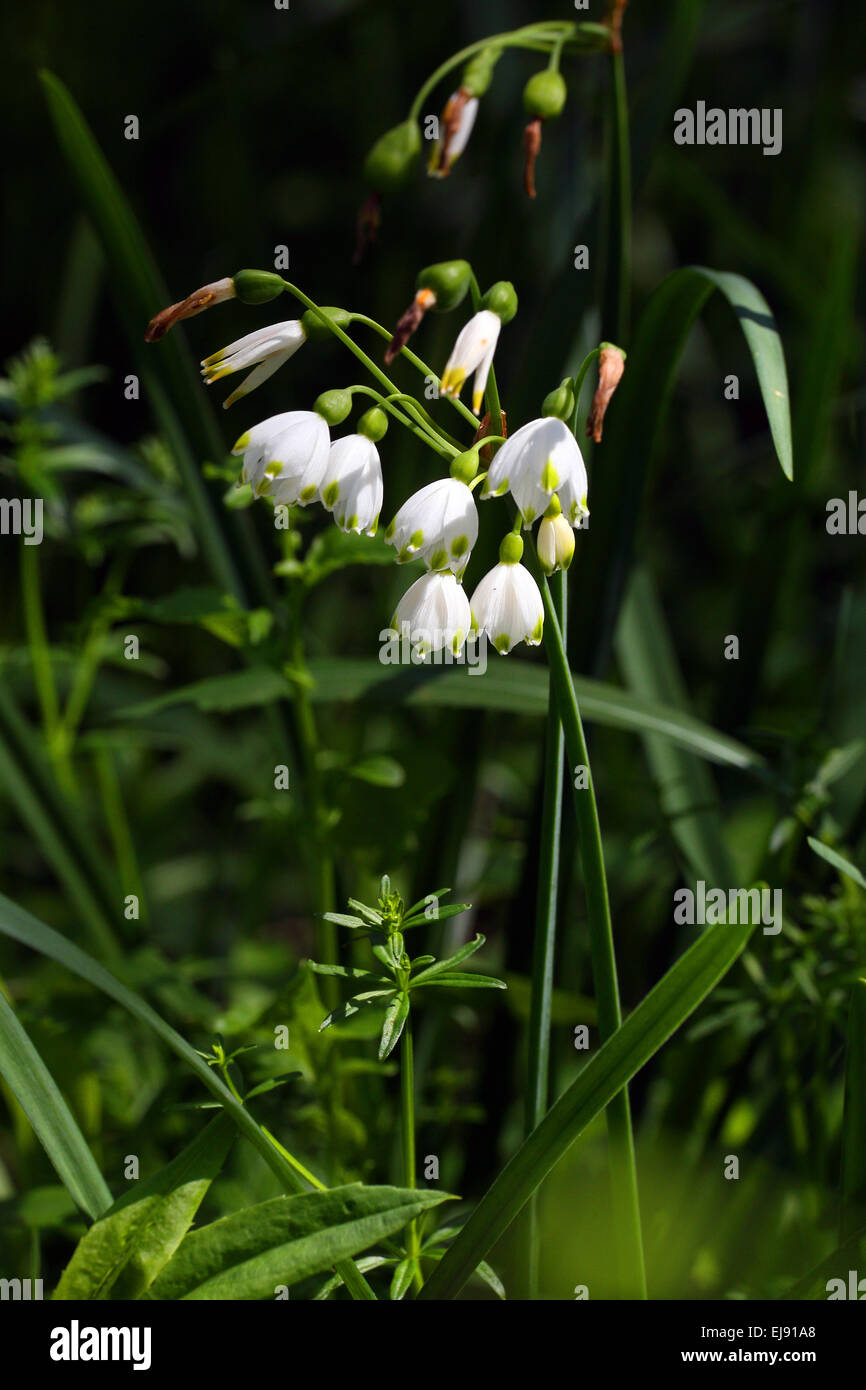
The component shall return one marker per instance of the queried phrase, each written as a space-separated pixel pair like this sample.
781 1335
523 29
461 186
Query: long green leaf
519 688
121 1255
654 1020
686 790
832 856
29 931
247 1255
853 1194
50 1116
850 1255
635 425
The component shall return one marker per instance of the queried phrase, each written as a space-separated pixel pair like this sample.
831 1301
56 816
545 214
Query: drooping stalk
544 945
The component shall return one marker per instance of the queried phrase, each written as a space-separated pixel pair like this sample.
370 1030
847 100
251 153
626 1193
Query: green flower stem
420 366
544 945
577 384
407 1121
348 342
534 37
616 305
432 435
626 1210
43 673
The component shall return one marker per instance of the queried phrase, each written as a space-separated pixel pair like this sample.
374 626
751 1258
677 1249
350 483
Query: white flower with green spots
265 351
352 486
435 610
285 457
438 524
555 542
539 459
507 604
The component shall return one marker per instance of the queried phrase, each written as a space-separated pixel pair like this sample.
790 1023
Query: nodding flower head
187 308
538 460
543 98
507 604
472 352
285 457
265 351
436 610
438 524
352 486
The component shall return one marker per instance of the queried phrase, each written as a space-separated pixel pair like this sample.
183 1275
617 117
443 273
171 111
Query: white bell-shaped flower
437 524
472 352
455 124
285 456
555 542
352 486
540 458
507 604
265 351
435 611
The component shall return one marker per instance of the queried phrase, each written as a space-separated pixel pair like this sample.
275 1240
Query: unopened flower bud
555 539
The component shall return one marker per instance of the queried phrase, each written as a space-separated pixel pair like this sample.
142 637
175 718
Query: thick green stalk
544 945
626 1211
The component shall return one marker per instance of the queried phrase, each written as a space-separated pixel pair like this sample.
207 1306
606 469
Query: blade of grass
655 1019
853 1193
50 1116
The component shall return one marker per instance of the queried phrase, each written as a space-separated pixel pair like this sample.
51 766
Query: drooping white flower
472 352
573 492
540 458
285 456
268 347
555 539
436 613
507 603
437 524
456 124
352 486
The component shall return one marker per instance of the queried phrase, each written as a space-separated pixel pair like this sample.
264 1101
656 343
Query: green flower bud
390 160
560 402
511 549
478 72
465 466
449 281
502 299
333 406
374 424
257 286
318 332
544 94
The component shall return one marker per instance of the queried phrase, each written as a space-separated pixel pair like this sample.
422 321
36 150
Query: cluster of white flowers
291 459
